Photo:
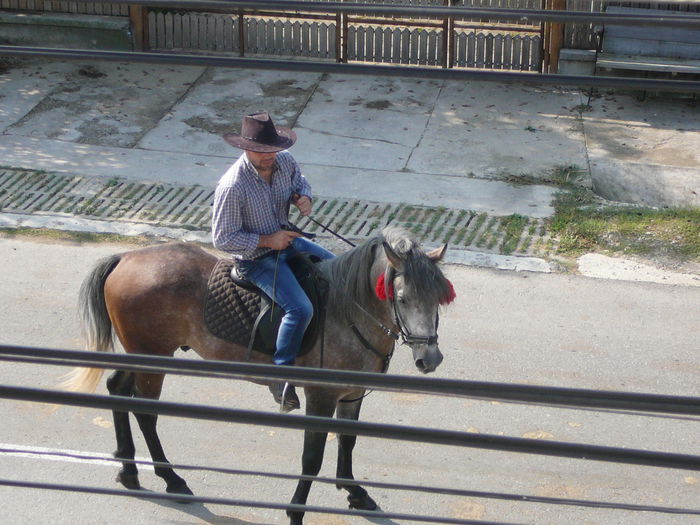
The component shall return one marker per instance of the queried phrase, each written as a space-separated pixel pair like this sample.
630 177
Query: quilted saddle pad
229 310
232 312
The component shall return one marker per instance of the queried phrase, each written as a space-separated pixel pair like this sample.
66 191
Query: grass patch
76 236
581 224
561 176
649 232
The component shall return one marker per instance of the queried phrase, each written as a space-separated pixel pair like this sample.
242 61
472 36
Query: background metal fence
483 43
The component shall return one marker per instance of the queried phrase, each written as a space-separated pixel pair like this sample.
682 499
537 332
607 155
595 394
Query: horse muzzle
427 357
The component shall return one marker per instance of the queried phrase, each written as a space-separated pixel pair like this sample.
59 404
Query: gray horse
152 299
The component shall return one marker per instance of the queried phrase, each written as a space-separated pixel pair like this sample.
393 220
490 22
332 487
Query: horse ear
394 259
438 253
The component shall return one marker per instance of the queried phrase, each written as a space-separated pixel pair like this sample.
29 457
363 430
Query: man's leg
274 277
303 245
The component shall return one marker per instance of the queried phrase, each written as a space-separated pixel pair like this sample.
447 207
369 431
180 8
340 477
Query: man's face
261 161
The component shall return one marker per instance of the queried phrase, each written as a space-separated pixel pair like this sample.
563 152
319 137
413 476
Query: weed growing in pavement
513 227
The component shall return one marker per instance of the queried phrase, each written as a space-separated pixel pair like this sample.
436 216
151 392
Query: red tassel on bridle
381 290
451 294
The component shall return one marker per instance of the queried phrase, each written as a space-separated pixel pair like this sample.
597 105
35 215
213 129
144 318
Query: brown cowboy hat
259 134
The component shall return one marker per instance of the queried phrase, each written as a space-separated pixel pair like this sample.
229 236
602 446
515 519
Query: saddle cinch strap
239 312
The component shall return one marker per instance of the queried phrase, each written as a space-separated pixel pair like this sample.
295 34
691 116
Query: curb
77 224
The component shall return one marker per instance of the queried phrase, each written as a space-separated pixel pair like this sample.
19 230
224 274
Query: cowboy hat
259 134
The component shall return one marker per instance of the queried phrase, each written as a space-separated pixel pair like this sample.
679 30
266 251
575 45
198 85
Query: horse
152 299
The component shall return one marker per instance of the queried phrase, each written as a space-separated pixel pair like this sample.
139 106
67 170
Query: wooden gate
345 38
463 43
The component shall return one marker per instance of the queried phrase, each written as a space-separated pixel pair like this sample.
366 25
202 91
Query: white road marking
66 455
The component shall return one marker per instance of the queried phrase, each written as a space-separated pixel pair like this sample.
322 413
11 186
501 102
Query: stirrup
285 395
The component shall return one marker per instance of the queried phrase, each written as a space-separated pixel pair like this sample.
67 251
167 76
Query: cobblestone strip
189 207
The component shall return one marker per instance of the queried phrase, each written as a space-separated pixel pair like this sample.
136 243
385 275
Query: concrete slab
485 129
336 152
493 197
104 161
24 86
365 122
500 262
645 152
643 183
216 104
106 103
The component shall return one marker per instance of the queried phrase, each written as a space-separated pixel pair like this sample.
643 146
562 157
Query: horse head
416 287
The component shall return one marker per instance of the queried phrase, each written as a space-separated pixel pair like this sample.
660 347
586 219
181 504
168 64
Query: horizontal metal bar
457 12
426 489
357 428
564 397
685 86
180 498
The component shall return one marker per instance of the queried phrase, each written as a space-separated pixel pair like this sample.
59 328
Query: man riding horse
250 220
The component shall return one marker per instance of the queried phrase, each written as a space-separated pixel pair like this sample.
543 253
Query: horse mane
350 273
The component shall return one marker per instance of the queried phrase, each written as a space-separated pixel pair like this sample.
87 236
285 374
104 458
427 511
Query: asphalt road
540 329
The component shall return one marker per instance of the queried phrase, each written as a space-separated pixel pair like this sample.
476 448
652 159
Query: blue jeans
286 291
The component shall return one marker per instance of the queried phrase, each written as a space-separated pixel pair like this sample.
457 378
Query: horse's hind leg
149 386
357 497
312 457
121 383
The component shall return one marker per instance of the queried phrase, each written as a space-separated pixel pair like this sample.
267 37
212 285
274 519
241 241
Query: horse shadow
379 520
201 512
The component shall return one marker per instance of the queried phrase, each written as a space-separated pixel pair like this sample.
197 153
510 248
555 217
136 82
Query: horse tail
97 326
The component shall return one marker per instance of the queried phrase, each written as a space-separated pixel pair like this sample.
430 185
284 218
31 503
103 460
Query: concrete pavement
476 147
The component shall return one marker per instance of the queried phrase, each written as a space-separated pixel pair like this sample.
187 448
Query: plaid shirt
245 206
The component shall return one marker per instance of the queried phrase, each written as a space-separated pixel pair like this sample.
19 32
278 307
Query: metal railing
624 402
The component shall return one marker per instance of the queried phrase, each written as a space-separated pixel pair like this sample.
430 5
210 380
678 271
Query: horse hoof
295 519
363 502
130 481
180 489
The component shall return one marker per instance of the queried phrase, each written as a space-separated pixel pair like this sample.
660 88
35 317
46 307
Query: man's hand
303 203
279 240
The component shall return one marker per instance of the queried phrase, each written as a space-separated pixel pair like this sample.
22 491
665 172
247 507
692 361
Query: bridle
404 334
407 338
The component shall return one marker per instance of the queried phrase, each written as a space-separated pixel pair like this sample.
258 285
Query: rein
327 229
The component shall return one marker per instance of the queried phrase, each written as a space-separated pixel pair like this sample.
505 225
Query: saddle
239 312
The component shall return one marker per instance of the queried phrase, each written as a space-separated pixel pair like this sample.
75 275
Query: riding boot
285 395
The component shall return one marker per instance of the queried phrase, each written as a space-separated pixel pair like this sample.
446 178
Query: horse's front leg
319 402
357 497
